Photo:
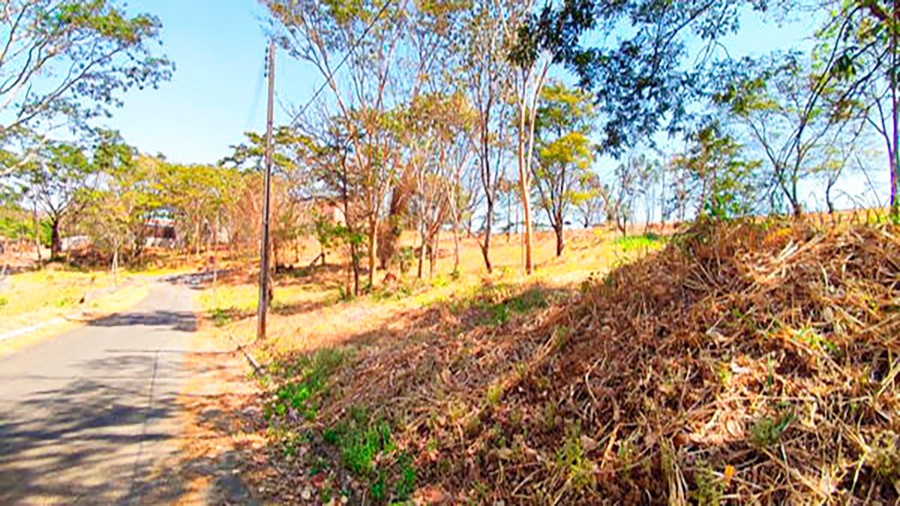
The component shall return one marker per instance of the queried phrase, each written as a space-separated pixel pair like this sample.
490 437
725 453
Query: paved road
85 416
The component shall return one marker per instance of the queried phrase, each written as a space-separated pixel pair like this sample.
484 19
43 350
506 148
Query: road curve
84 417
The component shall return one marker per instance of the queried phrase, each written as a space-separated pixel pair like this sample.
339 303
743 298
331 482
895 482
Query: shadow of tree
85 417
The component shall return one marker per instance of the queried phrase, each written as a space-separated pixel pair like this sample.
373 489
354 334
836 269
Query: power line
257 92
341 64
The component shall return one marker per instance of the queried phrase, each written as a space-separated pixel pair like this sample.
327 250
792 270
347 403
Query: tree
59 181
645 81
369 34
330 164
721 180
117 209
591 199
858 54
565 153
490 30
625 190
71 59
291 180
786 112
531 56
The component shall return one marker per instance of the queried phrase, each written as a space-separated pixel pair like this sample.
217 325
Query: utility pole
264 242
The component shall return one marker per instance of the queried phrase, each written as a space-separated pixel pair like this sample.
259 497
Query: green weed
494 394
767 432
571 460
310 373
406 481
65 302
359 441
884 458
220 317
811 337
710 488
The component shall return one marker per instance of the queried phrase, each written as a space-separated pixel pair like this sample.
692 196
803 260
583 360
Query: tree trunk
526 204
486 245
197 239
828 200
420 271
559 239
432 255
373 250
115 265
509 220
456 243
797 208
37 235
895 120
55 239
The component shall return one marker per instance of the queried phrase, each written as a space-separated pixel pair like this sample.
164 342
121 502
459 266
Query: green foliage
406 481
405 258
814 339
710 488
16 224
98 52
360 440
720 177
643 83
496 304
572 461
220 317
65 302
309 380
396 291
884 457
645 242
767 432
565 151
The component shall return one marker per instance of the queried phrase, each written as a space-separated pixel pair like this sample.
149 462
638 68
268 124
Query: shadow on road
76 437
181 321
84 418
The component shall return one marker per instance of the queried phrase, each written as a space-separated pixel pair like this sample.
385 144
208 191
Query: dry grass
750 363
308 313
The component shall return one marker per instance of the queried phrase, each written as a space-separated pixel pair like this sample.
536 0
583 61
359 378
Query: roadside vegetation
512 261
735 364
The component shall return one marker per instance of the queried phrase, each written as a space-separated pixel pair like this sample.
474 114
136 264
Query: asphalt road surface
85 417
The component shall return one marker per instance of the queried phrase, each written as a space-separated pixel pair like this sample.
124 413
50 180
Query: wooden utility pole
264 242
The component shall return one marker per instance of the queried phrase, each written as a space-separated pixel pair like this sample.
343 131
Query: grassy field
32 297
27 305
308 312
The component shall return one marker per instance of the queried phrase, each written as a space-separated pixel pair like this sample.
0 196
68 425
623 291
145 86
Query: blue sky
217 92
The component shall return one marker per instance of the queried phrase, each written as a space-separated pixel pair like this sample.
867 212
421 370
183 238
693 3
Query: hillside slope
743 363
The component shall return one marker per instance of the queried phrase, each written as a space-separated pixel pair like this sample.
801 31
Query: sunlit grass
645 242
58 289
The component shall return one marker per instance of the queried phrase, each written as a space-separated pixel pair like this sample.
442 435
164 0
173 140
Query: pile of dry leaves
745 363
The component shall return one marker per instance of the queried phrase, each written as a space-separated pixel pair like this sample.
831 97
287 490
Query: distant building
159 231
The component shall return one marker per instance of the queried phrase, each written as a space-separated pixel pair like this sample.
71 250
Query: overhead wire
257 93
331 75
